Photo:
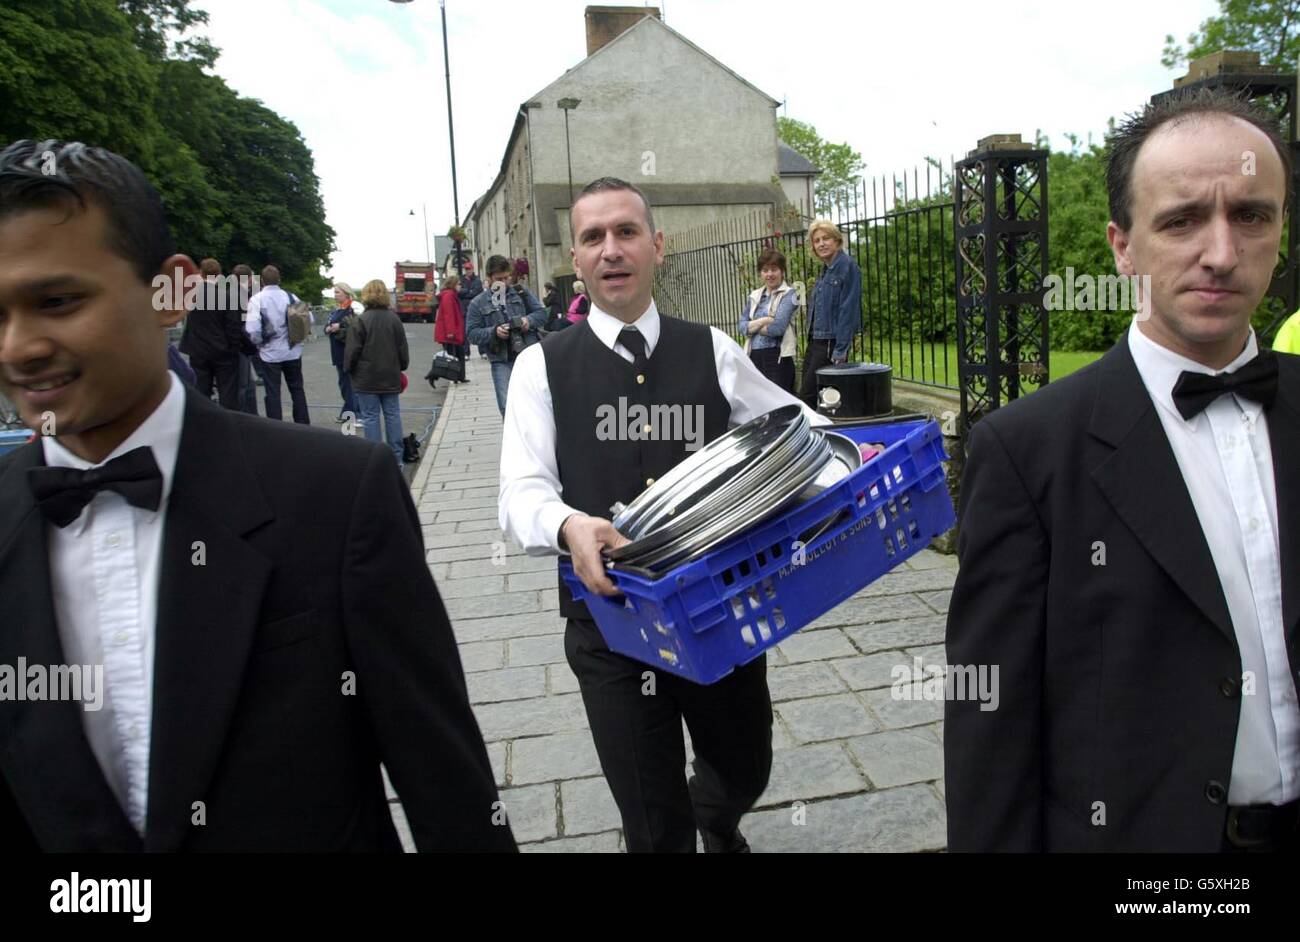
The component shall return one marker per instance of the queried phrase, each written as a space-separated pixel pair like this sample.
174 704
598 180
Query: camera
515 340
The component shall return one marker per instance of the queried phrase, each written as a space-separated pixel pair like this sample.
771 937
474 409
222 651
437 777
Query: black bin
864 390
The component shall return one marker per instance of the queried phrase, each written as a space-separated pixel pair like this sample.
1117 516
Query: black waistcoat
601 446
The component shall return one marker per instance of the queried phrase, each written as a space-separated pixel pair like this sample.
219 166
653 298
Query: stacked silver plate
754 471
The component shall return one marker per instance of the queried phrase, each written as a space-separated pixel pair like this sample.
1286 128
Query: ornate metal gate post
1000 223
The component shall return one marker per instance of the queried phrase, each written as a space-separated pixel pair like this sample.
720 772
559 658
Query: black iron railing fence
898 230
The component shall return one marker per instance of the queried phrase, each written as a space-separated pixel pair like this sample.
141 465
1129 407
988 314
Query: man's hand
503 331
524 324
586 537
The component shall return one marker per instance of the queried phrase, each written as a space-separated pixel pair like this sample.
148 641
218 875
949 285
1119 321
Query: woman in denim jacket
836 311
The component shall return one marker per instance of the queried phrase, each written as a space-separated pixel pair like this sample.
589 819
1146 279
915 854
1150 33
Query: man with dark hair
559 478
267 325
505 319
248 690
1130 536
212 335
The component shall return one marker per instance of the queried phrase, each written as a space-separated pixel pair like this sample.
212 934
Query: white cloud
363 81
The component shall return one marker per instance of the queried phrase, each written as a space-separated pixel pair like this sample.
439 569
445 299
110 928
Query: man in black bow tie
264 644
1130 536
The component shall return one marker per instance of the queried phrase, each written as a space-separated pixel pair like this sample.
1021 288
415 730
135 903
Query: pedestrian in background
376 355
504 321
336 329
211 338
835 314
449 324
267 325
765 323
249 362
554 312
580 305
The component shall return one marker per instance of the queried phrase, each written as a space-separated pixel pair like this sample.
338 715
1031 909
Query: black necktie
632 340
62 493
1257 380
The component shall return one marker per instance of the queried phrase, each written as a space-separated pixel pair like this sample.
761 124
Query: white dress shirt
1226 460
530 510
104 569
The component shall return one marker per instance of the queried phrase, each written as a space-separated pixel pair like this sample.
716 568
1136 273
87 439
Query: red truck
415 293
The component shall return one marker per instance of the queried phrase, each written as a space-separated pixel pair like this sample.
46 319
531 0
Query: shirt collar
1160 368
607 326
160 432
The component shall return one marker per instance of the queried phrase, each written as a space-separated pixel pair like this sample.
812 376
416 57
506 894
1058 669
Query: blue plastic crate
14 438
706 617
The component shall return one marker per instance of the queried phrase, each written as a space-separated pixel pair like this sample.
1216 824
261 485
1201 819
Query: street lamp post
451 131
424 207
568 104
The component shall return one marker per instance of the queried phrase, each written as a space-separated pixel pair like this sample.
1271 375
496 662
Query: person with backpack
344 316
275 323
376 355
580 305
449 325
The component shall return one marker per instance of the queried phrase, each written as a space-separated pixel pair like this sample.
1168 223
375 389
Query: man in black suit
212 337
1130 536
249 601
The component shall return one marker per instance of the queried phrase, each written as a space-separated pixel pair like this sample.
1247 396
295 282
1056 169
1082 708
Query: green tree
1269 27
160 25
840 164
237 180
109 98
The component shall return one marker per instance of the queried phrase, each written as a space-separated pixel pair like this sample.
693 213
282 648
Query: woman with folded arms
769 337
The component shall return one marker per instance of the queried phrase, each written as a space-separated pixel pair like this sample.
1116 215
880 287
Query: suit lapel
210 592
1144 485
44 755
1284 437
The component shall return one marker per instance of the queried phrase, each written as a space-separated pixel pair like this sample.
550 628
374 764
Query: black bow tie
1257 380
62 493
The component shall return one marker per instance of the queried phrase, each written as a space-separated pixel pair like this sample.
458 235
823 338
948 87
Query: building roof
792 163
520 118
650 22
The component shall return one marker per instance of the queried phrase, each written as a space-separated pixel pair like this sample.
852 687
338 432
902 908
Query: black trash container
863 388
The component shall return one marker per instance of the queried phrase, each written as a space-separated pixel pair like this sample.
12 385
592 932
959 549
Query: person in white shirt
559 477
1129 536
267 326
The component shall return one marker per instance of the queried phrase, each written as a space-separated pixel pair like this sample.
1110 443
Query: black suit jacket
314 567
213 331
1120 684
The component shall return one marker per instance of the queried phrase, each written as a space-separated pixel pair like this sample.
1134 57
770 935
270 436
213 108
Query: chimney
604 24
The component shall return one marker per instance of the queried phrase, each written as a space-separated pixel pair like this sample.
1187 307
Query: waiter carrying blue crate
568 456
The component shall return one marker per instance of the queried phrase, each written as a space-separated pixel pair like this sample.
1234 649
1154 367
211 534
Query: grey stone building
647 105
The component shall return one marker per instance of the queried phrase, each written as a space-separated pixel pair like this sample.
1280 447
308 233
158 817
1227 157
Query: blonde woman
835 306
375 357
580 305
769 337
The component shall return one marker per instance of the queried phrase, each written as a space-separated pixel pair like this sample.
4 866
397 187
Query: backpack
410 448
298 318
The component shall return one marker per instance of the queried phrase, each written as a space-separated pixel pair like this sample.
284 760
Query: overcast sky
363 81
